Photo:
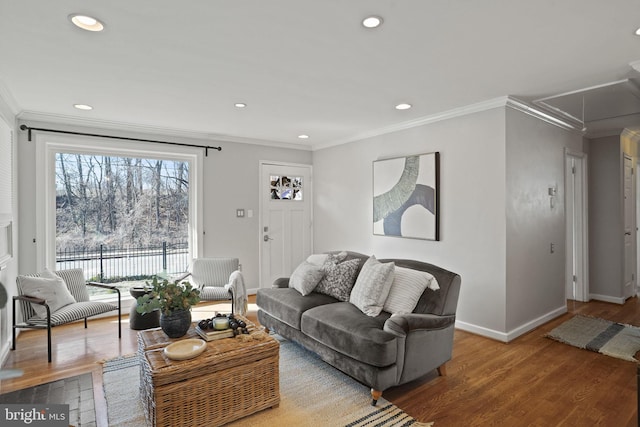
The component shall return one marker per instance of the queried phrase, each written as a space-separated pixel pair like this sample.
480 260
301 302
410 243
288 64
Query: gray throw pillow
338 279
372 286
52 289
305 277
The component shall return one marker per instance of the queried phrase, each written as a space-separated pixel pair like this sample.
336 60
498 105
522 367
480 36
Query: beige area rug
599 335
312 393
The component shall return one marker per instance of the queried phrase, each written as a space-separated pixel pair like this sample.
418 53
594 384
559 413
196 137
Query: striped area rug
312 393
599 335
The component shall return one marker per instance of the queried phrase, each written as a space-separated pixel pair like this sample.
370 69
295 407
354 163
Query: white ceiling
303 66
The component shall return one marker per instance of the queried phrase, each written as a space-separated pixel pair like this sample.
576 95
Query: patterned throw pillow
305 277
406 289
372 287
339 278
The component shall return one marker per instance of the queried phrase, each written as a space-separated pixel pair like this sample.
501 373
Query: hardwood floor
532 381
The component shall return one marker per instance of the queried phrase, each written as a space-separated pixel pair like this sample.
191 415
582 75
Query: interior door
285 220
576 238
629 230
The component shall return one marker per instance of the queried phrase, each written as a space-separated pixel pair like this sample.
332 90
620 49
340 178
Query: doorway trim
577 245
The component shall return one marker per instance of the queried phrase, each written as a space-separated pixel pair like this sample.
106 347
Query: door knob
266 238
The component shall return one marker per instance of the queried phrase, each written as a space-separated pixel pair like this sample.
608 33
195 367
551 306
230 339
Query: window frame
46 183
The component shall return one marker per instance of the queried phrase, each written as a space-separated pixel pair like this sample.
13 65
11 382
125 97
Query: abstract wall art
405 196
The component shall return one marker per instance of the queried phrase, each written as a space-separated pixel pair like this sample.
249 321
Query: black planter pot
176 324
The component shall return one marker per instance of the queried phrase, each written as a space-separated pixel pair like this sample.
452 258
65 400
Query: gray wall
535 285
472 151
605 217
496 224
231 180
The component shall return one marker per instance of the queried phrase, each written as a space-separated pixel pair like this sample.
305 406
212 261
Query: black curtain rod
206 147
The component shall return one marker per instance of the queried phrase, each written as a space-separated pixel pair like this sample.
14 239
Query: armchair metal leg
13 330
49 332
119 315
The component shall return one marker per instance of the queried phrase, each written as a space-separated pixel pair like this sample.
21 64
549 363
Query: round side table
139 321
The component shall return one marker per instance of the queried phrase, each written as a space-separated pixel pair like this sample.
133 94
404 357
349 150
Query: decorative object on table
174 300
142 321
599 335
406 196
223 326
185 349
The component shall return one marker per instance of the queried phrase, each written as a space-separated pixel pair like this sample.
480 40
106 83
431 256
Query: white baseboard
607 298
514 333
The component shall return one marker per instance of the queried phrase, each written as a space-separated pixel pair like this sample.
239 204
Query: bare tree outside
108 202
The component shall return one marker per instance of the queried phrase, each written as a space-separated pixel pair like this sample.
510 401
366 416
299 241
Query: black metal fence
115 264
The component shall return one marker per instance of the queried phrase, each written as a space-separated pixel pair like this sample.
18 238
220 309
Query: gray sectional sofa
379 351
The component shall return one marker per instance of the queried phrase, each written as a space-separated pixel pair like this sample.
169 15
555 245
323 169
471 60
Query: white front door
629 230
285 220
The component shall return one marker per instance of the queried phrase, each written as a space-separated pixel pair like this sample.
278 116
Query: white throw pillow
372 286
305 277
406 289
53 290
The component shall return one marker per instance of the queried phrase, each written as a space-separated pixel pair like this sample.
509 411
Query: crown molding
503 101
548 117
445 115
153 130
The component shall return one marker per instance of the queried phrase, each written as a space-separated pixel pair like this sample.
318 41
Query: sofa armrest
403 324
281 282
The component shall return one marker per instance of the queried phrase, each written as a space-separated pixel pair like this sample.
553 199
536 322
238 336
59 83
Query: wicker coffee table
230 380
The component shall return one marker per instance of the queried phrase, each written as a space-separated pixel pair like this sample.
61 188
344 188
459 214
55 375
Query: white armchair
47 300
219 279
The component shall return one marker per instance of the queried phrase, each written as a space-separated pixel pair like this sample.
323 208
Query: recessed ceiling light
83 106
85 22
240 105
403 106
638 32
372 21
303 136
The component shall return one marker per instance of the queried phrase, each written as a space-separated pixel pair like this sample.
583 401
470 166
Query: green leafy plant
167 297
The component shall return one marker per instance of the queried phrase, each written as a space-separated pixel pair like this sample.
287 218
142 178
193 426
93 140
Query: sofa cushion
372 286
287 304
343 327
305 277
338 278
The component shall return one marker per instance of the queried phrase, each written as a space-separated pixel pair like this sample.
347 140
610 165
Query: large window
121 214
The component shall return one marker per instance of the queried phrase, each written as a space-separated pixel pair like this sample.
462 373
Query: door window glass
286 187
